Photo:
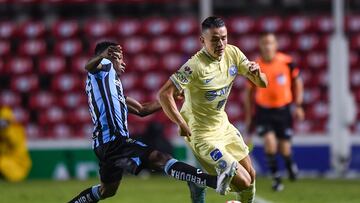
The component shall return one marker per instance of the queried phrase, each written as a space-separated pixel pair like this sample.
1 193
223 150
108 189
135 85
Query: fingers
254 67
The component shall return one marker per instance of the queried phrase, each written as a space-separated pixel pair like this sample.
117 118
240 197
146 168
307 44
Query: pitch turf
160 189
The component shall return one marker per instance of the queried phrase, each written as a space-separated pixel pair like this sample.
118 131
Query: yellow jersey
207 82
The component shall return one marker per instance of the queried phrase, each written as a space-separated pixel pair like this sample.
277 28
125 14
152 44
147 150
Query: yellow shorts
218 150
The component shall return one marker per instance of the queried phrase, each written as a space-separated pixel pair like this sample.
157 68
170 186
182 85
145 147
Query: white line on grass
261 200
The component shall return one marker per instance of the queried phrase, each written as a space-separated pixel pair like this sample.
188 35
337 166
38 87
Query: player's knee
242 182
107 192
252 175
159 159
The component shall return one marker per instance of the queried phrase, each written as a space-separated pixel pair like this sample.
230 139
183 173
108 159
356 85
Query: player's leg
246 194
197 193
185 172
270 148
286 152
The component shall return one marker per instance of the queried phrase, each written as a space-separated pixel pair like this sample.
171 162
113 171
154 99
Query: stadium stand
42 75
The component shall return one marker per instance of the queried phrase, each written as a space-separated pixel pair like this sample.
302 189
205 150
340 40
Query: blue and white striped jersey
107 105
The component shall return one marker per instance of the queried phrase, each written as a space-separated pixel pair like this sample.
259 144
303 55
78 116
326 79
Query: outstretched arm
167 101
112 53
142 109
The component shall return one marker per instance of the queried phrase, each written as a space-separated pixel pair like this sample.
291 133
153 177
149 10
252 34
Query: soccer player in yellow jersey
206 80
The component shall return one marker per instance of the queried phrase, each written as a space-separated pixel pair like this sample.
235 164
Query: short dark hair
212 22
102 46
265 33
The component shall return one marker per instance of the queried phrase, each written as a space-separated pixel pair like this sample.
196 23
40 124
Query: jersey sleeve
106 66
241 62
183 77
294 69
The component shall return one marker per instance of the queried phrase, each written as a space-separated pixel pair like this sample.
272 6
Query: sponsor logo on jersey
216 154
211 95
206 81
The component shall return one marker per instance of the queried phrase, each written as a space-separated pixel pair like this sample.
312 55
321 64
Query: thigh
263 121
109 189
247 164
284 124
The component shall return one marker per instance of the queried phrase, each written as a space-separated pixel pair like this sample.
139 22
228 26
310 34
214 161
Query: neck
211 56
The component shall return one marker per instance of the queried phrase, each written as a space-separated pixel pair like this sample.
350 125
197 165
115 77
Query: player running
273 119
206 79
112 145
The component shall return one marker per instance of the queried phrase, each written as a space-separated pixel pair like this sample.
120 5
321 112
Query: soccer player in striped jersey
116 151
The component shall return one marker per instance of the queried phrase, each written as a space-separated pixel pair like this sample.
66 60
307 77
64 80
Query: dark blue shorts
121 154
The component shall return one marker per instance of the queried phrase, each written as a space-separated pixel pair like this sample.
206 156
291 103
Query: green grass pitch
158 189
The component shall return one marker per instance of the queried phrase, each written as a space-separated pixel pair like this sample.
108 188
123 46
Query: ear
202 40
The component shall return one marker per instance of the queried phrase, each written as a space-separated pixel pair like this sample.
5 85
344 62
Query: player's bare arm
113 53
167 101
298 92
248 103
256 76
142 109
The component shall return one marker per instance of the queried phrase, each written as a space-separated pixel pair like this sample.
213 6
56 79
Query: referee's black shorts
121 154
279 120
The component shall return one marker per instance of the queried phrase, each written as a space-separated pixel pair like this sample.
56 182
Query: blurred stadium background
45 43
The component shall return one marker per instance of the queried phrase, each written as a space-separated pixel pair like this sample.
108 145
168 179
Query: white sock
247 195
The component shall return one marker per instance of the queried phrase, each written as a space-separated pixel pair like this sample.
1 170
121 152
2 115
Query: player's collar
211 57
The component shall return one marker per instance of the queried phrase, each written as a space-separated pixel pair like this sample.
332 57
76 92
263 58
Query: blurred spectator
15 161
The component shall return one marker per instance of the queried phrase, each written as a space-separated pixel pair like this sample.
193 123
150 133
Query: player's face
215 40
268 46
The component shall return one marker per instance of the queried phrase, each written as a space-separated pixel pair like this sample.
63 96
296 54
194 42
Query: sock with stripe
185 172
90 195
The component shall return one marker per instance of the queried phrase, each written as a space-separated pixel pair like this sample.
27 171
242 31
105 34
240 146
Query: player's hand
185 130
254 68
299 113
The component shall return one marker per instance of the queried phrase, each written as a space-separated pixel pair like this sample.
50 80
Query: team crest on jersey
216 154
222 164
281 79
233 70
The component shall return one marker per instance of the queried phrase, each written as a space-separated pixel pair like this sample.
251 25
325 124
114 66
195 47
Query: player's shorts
219 149
278 120
119 155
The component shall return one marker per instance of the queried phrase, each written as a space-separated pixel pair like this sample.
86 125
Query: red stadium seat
33 48
60 131
34 131
136 94
52 115
247 43
316 59
70 47
311 95
72 99
241 25
189 45
156 26
32 29
2 67
234 110
144 62
353 23
5 48
320 110
354 59
298 24
79 115
304 126
9 98
184 26
153 81
355 78
52 65
84 131
19 65
98 28
42 100
130 80
284 42
127 27
77 64
7 29
307 42
323 24
66 83
172 62
134 45
25 83
65 29
161 45
21 115
270 24
355 42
